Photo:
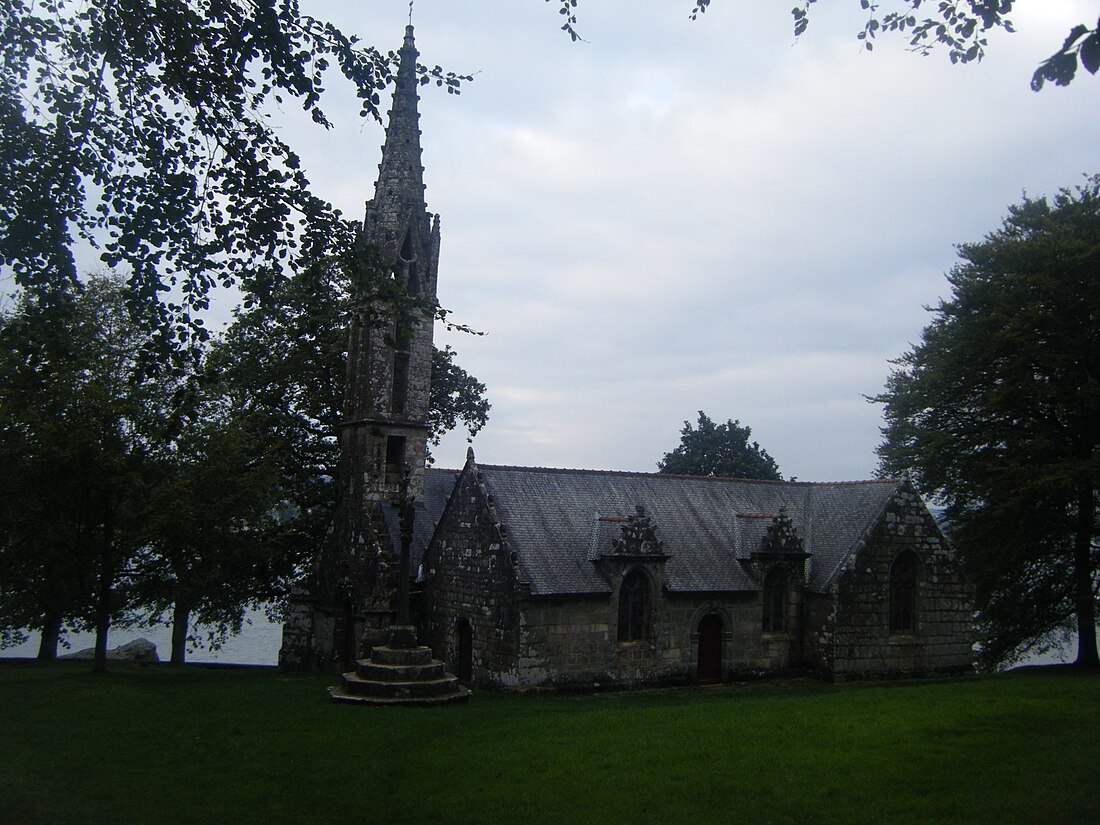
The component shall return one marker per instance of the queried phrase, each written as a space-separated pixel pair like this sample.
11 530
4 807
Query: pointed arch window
903 593
633 606
408 260
775 600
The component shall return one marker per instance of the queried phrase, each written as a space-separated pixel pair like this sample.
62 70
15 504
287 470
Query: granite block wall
470 576
855 639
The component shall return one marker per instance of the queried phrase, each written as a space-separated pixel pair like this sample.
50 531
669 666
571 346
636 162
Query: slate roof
438 485
553 523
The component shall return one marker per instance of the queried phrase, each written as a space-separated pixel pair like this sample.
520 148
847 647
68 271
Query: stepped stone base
399 673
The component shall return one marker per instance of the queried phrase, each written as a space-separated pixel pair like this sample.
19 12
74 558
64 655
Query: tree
719 450
285 358
283 363
996 415
211 533
141 127
79 419
960 26
455 396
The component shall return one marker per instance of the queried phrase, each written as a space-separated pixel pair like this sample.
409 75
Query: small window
395 459
633 606
903 593
775 600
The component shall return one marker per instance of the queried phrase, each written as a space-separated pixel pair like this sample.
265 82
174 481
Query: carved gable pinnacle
639 536
781 537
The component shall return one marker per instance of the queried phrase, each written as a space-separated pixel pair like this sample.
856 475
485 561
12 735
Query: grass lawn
199 745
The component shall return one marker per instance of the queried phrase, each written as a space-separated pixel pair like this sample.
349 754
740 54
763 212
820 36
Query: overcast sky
677 216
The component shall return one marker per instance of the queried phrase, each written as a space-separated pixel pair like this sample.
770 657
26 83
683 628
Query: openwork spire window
633 606
903 593
775 600
408 263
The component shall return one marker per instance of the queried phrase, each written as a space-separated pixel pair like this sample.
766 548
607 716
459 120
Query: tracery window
633 606
775 600
903 593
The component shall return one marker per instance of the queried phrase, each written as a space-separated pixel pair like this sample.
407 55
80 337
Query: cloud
675 216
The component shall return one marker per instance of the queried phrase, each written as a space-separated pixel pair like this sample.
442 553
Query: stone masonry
855 640
480 586
523 639
349 600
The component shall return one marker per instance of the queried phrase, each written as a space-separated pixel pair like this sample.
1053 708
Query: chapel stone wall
470 577
572 641
859 641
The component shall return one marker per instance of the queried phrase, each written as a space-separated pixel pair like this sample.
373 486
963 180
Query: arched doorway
464 666
710 648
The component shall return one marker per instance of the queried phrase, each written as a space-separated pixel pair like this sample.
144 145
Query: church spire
385 426
399 190
390 359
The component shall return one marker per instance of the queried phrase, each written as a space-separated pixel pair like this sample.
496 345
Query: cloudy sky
676 216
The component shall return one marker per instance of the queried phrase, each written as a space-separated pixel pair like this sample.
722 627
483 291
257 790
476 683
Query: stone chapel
530 577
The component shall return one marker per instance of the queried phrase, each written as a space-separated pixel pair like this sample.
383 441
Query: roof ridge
649 474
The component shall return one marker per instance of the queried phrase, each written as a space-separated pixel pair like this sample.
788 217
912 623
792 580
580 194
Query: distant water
259 641
257 644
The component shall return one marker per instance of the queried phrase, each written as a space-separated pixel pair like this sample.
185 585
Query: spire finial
410 12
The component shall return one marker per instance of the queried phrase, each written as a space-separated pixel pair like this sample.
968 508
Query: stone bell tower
350 599
390 357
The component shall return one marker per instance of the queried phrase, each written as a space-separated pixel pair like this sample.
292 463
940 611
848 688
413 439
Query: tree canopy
80 423
155 496
960 26
142 128
996 415
286 354
719 450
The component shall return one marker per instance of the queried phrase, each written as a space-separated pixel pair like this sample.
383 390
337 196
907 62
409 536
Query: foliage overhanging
996 415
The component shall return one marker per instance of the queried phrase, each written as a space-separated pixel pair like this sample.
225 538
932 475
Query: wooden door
710 648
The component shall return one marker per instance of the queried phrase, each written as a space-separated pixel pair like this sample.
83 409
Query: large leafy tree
283 363
285 357
80 421
128 491
213 535
710 449
141 127
961 27
996 415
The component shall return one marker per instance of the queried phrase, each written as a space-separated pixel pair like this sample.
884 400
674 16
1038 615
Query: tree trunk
102 624
103 596
181 614
1083 578
51 633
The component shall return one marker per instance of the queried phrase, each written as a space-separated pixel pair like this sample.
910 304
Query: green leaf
1090 52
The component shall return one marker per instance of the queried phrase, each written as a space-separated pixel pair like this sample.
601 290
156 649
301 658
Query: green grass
195 745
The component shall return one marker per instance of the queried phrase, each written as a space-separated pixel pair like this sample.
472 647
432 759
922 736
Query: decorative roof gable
781 537
639 536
